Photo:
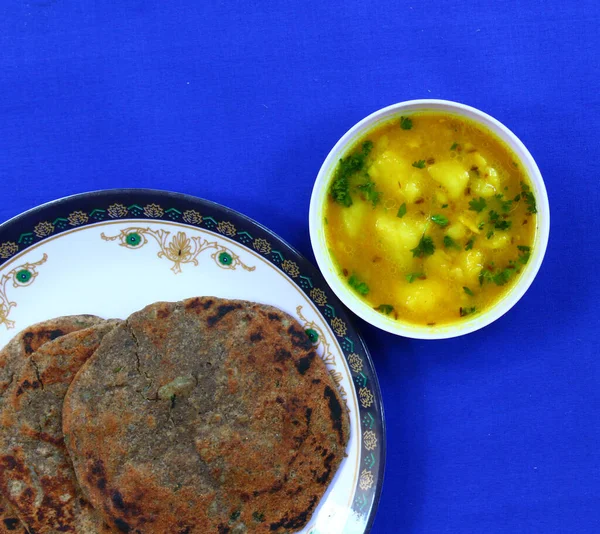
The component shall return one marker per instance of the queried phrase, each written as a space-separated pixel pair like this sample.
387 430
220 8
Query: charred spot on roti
162 313
282 355
122 525
256 336
297 521
299 337
336 411
11 523
222 311
303 364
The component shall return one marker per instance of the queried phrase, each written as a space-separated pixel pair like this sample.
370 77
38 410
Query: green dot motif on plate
134 239
225 258
23 276
313 335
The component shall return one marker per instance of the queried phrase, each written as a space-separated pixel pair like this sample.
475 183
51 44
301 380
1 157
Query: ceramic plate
111 253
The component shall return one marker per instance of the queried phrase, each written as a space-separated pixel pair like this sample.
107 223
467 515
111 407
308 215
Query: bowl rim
361 308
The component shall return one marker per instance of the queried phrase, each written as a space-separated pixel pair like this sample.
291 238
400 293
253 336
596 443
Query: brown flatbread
36 474
12 358
203 416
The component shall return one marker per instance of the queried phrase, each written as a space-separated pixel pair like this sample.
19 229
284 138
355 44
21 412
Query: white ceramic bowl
344 292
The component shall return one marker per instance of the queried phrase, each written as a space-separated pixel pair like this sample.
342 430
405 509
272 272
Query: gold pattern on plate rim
366 480
355 361
366 397
8 249
179 249
21 276
370 440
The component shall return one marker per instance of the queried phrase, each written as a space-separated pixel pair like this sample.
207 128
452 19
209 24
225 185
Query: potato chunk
422 296
497 241
451 175
482 188
471 263
412 189
457 230
389 168
399 236
438 264
353 218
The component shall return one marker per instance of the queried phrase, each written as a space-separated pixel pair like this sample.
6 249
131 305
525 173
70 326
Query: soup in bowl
429 219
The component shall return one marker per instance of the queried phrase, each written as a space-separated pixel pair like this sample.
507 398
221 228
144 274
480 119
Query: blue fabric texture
240 101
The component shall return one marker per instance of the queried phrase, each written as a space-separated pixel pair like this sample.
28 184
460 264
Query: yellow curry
430 218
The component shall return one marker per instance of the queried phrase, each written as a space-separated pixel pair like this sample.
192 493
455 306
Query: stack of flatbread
196 417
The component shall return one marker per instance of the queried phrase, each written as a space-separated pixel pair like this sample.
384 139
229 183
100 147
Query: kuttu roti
36 474
12 359
205 416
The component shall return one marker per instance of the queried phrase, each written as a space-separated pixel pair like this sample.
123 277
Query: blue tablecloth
239 102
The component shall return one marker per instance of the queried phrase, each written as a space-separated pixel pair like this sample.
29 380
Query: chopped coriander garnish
477 204
450 243
505 205
467 311
258 517
524 258
499 223
401 211
117 369
358 285
503 276
325 220
440 220
347 167
485 275
405 123
424 248
517 198
500 278
529 198
480 225
419 164
490 234
444 205
454 146
369 193
469 244
234 516
411 277
468 291
385 308
339 191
